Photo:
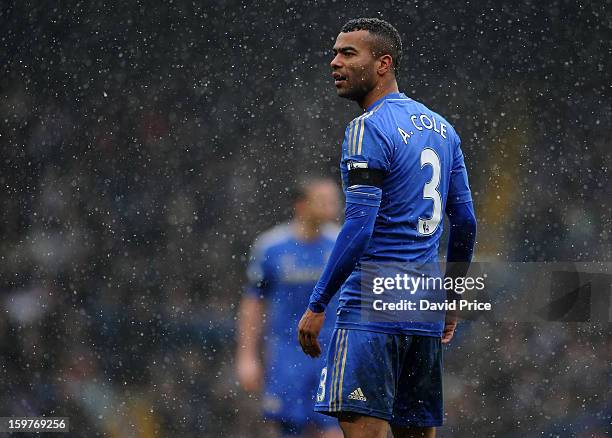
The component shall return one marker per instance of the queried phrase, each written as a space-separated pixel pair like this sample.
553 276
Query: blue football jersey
420 155
283 270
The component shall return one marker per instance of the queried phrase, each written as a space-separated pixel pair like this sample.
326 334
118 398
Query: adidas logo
357 395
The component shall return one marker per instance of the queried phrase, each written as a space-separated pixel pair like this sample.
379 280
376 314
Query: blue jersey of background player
402 166
285 263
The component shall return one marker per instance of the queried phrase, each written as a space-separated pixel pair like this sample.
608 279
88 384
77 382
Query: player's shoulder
385 117
371 117
369 121
273 237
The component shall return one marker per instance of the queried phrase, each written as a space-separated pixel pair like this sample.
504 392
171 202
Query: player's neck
378 93
306 230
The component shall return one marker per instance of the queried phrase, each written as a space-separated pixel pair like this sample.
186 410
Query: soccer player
284 266
401 168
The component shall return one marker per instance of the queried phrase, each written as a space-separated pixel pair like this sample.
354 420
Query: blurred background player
285 263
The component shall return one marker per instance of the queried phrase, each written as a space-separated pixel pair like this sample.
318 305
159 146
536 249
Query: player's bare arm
248 364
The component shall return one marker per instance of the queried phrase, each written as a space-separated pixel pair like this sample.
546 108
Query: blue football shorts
394 377
290 390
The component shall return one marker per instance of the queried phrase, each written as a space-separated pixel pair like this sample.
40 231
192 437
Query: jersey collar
387 96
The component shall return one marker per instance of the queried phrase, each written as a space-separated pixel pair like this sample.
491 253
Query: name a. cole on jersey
423 122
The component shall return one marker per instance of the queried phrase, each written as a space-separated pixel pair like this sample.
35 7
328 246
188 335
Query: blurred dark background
144 146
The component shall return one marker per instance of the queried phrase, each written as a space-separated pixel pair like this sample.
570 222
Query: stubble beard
358 91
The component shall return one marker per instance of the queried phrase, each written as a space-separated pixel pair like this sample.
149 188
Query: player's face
323 202
354 65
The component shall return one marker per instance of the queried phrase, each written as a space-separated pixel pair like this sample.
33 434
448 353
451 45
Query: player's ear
385 62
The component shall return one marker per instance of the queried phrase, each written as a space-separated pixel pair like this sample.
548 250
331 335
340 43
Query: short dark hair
387 40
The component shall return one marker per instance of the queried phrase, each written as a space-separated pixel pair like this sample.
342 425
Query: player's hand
250 373
450 324
308 332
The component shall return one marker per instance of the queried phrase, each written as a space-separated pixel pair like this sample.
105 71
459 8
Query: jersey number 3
428 226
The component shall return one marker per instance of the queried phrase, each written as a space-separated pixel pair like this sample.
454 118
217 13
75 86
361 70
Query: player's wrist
316 307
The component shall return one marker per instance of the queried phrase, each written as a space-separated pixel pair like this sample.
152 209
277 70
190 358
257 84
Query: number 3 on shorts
321 391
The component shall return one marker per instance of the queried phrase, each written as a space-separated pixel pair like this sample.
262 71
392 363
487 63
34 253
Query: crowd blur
145 145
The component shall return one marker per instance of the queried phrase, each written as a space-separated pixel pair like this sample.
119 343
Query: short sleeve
366 146
459 188
258 272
